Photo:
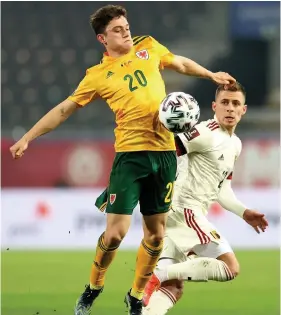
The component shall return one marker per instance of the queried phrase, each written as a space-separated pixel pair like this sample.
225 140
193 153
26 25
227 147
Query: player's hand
256 220
223 78
18 148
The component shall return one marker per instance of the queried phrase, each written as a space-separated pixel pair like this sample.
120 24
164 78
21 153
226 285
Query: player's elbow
65 109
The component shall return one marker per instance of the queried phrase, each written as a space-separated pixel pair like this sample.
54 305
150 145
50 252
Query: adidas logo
221 158
109 74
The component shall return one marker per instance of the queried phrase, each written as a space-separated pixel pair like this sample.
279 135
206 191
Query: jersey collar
107 58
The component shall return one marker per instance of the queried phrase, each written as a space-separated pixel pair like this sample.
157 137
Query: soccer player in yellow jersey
129 80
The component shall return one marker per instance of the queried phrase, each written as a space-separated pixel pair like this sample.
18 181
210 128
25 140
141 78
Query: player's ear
214 105
101 39
245 107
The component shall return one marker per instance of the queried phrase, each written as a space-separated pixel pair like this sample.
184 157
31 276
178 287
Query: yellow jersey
133 88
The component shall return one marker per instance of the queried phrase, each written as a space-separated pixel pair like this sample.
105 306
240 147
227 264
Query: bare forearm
46 124
189 67
51 120
194 69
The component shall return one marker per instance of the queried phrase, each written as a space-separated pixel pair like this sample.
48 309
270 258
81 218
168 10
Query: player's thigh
213 250
124 187
218 245
157 188
188 228
220 250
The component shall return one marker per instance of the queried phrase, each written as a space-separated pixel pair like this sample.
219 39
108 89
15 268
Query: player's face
117 36
229 108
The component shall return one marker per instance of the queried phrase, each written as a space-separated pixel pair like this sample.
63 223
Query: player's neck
230 130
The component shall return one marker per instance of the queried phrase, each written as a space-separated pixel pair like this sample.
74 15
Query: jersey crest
142 54
112 198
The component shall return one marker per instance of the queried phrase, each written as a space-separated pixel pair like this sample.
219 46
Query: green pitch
48 283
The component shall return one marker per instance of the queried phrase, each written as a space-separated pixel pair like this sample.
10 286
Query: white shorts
190 231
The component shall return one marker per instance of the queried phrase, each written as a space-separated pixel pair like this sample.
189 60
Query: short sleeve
85 92
166 57
198 139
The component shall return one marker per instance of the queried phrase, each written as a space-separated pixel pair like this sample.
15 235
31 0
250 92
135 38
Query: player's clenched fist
18 148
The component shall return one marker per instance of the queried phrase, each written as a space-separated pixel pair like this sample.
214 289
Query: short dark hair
102 17
237 87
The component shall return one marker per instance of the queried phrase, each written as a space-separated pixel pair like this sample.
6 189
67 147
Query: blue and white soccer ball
179 112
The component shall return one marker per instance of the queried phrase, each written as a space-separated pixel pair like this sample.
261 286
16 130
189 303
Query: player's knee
175 288
232 263
234 268
154 229
154 239
113 238
155 235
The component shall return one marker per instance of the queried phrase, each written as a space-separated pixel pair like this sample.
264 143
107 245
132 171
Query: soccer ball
179 112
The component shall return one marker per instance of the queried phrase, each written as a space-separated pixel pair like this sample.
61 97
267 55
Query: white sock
198 269
160 303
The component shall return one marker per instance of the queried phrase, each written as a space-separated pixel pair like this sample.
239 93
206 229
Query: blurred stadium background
49 222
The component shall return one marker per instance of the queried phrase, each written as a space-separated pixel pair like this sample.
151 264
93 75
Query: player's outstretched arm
47 123
189 67
228 200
